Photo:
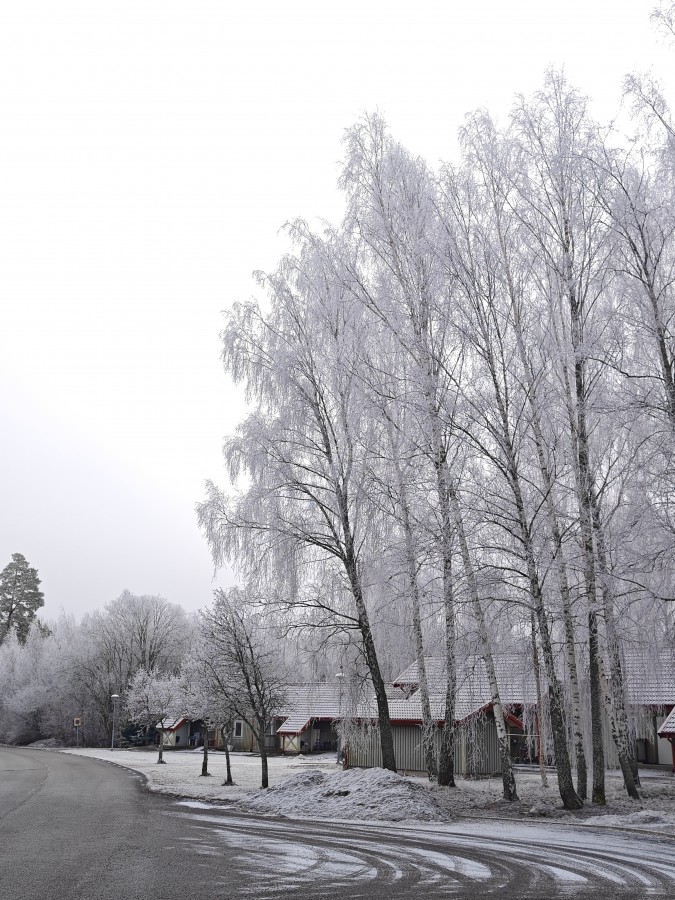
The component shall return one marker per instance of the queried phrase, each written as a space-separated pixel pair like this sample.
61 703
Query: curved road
72 827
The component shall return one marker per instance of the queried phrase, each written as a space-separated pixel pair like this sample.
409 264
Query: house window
238 729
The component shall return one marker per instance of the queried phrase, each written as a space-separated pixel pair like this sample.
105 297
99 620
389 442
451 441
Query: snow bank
354 794
644 819
46 744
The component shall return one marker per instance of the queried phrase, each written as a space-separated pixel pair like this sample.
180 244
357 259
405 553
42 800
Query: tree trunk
205 756
508 777
618 720
556 535
351 566
619 739
541 747
570 798
428 726
446 760
446 768
598 794
570 648
575 403
584 484
160 758
263 755
563 581
614 694
226 733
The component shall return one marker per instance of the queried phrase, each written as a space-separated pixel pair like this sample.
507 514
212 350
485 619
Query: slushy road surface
73 828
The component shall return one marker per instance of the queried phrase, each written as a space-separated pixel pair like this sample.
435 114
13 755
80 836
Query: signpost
77 724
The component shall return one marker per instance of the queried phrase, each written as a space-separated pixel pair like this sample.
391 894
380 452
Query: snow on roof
171 723
650 675
305 702
294 724
514 677
310 702
317 701
435 671
410 710
668 727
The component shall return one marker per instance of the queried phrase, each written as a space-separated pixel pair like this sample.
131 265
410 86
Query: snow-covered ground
314 786
181 774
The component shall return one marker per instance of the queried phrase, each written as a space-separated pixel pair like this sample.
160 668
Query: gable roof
667 728
317 701
171 723
308 702
649 676
304 702
410 710
514 677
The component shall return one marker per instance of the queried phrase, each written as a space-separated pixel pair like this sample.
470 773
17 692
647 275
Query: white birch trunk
508 777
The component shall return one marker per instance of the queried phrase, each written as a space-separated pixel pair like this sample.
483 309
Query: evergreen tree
20 597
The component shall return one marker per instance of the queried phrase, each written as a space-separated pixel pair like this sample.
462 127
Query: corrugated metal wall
476 748
645 728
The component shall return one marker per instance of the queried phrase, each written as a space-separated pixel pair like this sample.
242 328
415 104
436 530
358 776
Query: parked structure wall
476 747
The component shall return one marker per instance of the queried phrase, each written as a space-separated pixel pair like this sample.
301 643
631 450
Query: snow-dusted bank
314 786
181 777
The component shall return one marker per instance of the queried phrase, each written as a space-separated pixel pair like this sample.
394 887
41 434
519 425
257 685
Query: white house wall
664 748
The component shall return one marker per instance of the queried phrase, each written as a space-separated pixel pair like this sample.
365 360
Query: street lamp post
114 698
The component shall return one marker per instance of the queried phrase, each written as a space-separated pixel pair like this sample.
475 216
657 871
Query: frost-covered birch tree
565 219
303 453
494 160
151 700
400 283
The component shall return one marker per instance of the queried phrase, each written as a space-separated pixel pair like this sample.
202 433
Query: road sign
77 722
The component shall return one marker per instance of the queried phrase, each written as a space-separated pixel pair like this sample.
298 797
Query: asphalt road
77 828
72 827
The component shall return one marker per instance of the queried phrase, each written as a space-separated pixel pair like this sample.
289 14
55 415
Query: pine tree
20 597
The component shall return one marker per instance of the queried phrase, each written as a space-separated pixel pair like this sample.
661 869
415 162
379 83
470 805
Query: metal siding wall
407 747
645 728
366 752
492 747
479 748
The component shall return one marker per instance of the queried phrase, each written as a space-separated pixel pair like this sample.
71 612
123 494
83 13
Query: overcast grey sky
150 151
